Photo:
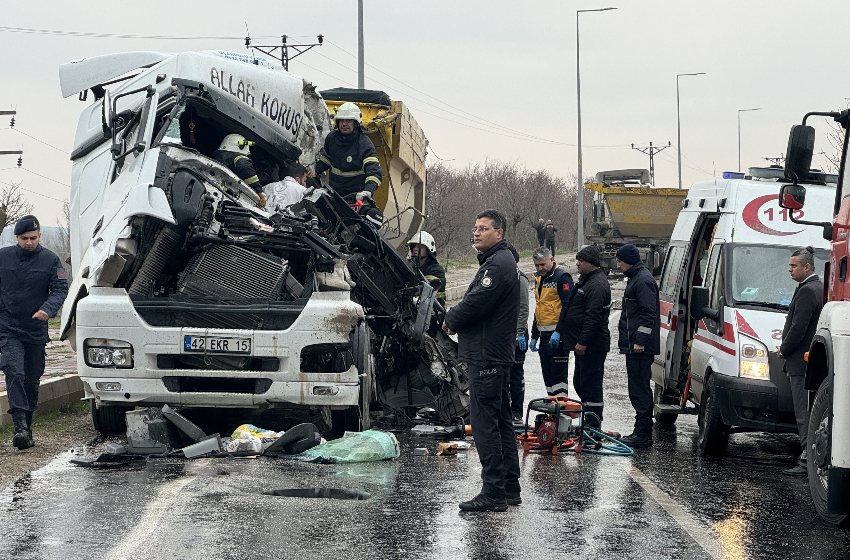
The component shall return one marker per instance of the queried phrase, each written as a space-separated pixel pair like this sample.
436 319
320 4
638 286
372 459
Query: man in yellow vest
552 297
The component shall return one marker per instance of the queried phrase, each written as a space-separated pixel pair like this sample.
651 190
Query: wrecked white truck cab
185 291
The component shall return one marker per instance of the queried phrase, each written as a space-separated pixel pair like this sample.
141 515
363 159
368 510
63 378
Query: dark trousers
550 244
23 365
800 396
639 371
493 429
587 381
554 362
540 241
516 379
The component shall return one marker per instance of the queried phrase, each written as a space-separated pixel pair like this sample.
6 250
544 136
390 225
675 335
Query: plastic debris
183 423
371 445
446 448
420 452
259 433
332 493
245 442
295 440
421 430
209 445
115 449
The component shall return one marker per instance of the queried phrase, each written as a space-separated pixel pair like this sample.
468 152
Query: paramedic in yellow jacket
552 293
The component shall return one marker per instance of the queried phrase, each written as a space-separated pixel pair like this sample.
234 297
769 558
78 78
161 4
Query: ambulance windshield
759 274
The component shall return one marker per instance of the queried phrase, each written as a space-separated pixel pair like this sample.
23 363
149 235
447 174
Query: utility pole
284 57
18 153
651 151
361 61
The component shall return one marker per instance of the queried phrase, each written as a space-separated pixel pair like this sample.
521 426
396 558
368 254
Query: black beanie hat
629 254
590 254
26 224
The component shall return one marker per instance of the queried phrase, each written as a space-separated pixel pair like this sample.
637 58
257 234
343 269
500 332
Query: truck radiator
226 274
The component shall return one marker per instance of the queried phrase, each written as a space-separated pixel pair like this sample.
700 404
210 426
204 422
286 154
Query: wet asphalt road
664 502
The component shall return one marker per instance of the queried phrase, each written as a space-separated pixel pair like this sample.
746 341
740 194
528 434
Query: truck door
671 309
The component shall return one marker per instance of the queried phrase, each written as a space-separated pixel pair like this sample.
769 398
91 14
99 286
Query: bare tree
835 135
59 239
13 205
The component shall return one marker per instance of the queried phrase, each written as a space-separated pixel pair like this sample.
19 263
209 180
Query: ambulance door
665 368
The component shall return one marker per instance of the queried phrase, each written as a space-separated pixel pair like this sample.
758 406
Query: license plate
216 345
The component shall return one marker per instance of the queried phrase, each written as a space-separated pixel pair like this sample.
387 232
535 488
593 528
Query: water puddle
331 493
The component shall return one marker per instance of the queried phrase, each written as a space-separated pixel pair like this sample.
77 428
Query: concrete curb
53 394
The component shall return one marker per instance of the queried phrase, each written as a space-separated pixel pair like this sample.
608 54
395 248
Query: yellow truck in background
628 209
401 146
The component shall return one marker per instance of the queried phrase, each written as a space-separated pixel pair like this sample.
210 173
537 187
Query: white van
724 294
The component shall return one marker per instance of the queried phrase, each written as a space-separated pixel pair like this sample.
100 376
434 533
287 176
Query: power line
18 186
27 30
42 141
42 176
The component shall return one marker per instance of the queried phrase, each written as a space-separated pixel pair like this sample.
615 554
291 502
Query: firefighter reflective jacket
352 162
552 296
241 165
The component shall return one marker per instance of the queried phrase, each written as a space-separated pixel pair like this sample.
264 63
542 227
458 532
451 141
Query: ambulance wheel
820 454
109 419
713 433
661 398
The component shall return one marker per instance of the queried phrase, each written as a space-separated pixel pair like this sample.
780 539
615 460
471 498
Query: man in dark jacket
639 340
486 322
549 236
350 156
553 289
797 334
517 373
32 289
540 228
584 329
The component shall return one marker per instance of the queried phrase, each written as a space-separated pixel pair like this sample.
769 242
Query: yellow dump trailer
627 209
401 147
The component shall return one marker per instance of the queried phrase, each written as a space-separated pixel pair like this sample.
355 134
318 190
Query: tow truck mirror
798 156
792 197
107 116
699 301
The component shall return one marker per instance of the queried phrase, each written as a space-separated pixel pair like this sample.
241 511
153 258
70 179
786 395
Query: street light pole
361 63
580 240
679 123
739 133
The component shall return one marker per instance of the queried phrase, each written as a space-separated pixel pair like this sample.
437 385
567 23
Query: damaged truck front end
187 292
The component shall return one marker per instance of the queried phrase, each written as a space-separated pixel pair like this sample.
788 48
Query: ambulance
724 295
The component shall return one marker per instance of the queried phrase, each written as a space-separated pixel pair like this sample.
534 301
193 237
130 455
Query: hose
591 434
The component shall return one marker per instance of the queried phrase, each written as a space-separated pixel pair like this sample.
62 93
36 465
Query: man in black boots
32 289
639 340
486 324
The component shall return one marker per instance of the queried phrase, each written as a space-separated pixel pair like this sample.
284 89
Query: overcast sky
492 79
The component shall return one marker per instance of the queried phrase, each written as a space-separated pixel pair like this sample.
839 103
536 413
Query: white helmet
348 110
236 143
424 238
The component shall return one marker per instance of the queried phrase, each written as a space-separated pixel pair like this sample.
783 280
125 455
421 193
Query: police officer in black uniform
485 322
32 289
639 340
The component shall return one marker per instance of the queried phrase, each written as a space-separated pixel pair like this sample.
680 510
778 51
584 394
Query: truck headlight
753 359
106 352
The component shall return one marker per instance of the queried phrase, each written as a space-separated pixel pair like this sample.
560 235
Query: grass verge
50 423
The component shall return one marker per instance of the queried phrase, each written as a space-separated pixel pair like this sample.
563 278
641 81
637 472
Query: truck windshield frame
757 275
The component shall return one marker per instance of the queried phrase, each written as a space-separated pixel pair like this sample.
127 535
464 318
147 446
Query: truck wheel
820 453
109 419
358 418
661 398
713 433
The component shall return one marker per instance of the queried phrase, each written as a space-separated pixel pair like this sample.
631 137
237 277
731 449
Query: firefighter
423 254
235 152
554 287
350 157
32 289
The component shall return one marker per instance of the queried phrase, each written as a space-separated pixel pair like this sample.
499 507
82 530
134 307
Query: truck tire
713 433
819 454
662 398
358 418
109 419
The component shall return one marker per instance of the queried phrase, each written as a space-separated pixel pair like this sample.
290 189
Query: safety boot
23 437
484 503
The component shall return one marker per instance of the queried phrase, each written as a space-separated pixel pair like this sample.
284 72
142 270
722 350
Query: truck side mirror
107 116
792 197
801 147
699 301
